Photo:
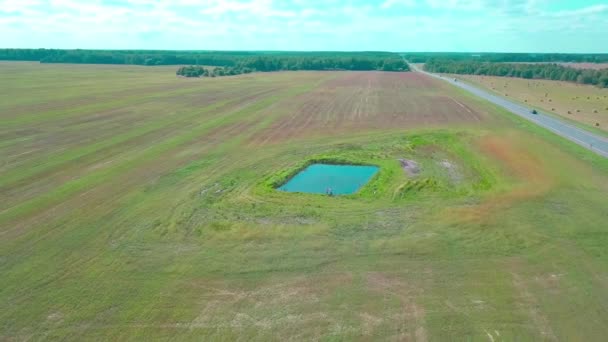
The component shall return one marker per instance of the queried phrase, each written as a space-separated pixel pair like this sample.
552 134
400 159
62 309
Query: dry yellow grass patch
582 103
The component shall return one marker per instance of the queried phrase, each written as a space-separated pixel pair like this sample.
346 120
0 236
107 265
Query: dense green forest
529 71
424 57
233 60
277 63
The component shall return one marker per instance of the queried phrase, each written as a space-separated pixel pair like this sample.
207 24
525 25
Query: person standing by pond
329 192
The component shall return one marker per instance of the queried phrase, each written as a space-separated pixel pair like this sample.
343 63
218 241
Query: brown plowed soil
361 101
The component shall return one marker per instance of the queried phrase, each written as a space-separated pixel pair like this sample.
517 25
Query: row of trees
199 71
255 60
232 58
277 63
270 64
135 57
425 57
529 71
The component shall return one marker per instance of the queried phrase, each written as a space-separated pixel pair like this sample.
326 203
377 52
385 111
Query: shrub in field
415 185
192 71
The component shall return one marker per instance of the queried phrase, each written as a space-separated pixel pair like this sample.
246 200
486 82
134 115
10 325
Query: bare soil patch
531 177
366 101
452 170
410 167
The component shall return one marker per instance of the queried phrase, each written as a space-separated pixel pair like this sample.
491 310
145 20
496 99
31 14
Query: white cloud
585 11
263 8
300 24
391 3
456 4
15 6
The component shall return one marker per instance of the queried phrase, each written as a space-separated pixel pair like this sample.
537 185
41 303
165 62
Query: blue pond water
342 179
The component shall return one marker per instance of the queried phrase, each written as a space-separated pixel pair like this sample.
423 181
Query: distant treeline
232 58
425 57
529 71
254 60
276 63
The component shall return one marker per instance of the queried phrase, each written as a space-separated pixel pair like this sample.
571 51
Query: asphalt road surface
591 141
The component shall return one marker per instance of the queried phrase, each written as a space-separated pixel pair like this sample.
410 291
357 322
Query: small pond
341 179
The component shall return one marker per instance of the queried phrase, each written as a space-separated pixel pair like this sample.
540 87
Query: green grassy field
138 205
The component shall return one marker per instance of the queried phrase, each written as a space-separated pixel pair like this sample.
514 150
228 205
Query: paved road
582 137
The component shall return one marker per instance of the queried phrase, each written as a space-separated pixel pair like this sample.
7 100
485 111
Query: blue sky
389 25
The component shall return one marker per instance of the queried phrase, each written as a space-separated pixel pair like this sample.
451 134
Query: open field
592 66
138 205
584 104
